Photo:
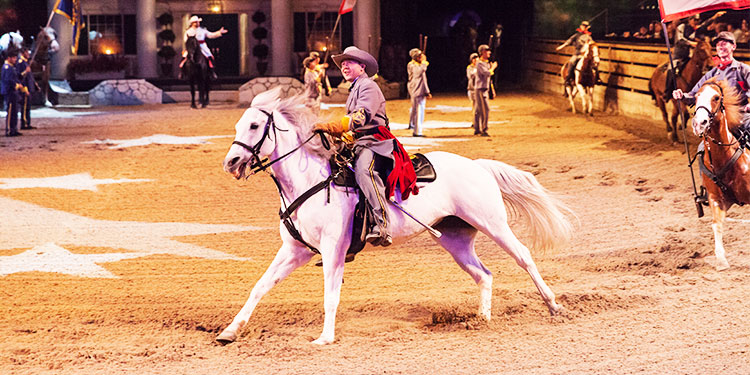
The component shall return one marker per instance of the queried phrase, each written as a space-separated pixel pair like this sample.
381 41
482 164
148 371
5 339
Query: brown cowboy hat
360 56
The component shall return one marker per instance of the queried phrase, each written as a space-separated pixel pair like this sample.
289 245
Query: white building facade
129 29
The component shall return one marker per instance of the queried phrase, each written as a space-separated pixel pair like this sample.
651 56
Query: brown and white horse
44 45
689 76
725 164
584 78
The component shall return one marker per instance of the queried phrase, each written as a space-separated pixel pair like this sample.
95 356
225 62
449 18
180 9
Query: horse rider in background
201 34
684 41
737 74
578 40
367 122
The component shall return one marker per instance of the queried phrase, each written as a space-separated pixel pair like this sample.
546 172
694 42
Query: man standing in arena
419 91
484 71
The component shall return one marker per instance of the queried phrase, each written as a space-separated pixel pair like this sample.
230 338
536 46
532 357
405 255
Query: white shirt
200 34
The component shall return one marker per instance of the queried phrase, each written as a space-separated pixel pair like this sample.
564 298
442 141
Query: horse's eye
254 126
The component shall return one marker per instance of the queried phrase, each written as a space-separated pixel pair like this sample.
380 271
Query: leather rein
717 177
258 165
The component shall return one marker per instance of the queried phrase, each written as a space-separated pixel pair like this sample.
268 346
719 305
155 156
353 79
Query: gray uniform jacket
366 107
312 84
417 85
737 74
471 76
577 40
482 75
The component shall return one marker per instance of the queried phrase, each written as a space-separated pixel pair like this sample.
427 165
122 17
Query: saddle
362 222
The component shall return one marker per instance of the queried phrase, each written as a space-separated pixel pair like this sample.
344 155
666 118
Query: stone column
244 56
367 25
60 60
145 20
282 37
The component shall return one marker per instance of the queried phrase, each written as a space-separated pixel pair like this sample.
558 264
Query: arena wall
625 70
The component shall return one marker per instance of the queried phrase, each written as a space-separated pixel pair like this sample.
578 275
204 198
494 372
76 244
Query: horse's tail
545 215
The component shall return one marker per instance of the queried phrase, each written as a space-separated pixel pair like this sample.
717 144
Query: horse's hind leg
503 236
458 239
288 259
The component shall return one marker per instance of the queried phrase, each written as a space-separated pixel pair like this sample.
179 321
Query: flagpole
698 205
335 25
49 21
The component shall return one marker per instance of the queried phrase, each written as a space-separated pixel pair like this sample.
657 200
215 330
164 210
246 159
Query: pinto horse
689 76
584 78
195 69
468 196
725 164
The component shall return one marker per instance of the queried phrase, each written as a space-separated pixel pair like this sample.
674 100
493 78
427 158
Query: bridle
256 163
712 116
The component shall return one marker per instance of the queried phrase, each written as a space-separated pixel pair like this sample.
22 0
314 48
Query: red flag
348 5
675 9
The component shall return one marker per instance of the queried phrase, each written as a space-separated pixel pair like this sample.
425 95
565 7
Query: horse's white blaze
467 197
702 117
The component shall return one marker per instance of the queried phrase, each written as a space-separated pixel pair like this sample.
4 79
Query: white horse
13 38
466 197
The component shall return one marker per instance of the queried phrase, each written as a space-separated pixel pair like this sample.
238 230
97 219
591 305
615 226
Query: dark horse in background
44 46
689 76
197 72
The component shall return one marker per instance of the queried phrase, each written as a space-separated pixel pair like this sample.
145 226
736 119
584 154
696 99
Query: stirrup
702 197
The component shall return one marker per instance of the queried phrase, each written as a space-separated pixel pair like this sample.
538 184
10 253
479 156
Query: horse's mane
732 101
297 114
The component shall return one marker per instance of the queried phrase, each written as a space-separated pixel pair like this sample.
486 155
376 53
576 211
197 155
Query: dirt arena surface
640 292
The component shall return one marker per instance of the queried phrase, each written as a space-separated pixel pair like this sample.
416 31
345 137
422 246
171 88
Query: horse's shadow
611 104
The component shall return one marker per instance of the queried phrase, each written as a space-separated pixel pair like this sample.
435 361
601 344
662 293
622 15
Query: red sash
403 174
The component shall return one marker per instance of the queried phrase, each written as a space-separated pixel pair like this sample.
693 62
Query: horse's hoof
322 341
722 266
226 338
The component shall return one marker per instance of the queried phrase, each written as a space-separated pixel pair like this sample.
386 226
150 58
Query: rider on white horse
200 34
367 123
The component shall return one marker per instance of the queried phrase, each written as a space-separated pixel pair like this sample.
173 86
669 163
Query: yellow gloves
336 129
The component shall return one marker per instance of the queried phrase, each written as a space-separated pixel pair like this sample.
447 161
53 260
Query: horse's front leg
719 213
192 94
571 95
290 257
582 91
333 252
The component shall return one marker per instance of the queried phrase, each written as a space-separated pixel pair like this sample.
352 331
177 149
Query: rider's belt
201 41
365 132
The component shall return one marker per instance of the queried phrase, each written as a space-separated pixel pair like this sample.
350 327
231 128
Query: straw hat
194 19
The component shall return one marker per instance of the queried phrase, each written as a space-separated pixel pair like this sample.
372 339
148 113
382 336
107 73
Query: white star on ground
452 108
161 139
52 258
26 225
80 181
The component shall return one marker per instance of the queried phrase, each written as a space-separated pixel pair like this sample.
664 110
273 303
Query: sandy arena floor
151 256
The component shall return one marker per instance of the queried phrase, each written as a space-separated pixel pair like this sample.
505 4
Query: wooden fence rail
625 70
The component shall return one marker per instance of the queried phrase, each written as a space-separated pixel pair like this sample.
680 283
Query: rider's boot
379 235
